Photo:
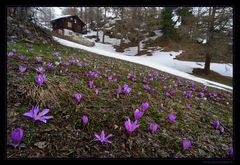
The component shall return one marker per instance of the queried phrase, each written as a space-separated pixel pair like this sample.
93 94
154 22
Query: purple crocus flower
221 130
22 69
216 124
139 93
144 106
230 151
173 92
172 118
40 79
115 80
131 126
167 94
90 84
125 86
22 57
84 119
55 53
79 64
16 136
102 137
128 90
161 106
146 87
186 144
188 106
153 127
77 97
110 78
39 59
49 65
10 54
119 90
33 113
97 91
189 95
40 70
137 114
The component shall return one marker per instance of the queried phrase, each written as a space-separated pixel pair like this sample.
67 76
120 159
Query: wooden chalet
68 25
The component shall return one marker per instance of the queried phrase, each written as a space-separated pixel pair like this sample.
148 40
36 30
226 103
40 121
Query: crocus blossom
40 79
84 119
145 106
16 136
10 54
40 70
39 59
186 144
77 97
49 65
131 126
22 69
216 124
167 94
172 118
137 114
22 57
230 151
128 90
221 130
90 84
33 113
102 137
119 90
188 106
153 127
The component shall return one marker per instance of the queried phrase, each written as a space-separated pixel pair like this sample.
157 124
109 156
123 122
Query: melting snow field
163 61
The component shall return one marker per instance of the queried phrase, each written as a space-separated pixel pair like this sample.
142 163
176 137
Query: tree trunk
207 63
210 35
105 14
138 47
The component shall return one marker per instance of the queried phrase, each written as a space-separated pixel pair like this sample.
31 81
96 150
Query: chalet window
75 20
70 33
69 24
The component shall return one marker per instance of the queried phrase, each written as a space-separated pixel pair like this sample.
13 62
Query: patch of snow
156 61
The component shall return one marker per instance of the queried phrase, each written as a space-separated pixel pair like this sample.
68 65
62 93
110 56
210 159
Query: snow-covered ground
159 60
163 58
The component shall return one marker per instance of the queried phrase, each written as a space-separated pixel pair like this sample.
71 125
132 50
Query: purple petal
108 136
29 114
44 112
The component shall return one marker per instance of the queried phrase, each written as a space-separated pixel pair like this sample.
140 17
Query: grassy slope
66 136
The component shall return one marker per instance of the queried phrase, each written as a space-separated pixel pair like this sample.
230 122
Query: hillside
195 106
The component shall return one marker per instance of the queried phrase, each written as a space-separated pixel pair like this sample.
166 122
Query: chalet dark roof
65 16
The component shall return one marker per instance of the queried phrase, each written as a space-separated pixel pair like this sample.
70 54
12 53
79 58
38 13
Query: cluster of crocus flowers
40 79
172 118
77 97
144 106
138 114
16 136
216 125
22 69
127 89
102 138
35 115
186 144
153 128
84 119
131 126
